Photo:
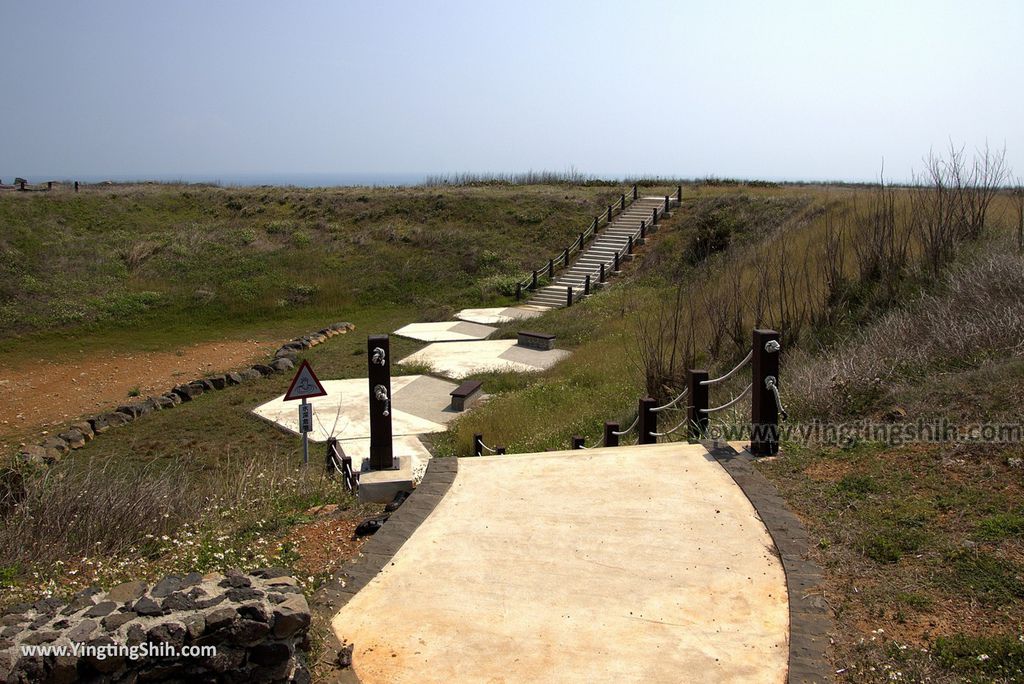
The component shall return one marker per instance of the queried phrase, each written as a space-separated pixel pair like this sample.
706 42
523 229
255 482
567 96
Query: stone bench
466 394
535 340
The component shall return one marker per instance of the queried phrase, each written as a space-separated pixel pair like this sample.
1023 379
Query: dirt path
46 393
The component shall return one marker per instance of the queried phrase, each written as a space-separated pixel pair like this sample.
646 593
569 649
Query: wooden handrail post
478 445
648 421
764 412
499 450
622 202
697 402
533 283
629 245
679 194
666 204
654 216
609 213
586 286
565 258
610 438
634 191
568 295
616 269
595 226
519 291
643 228
551 269
602 276
581 241
577 442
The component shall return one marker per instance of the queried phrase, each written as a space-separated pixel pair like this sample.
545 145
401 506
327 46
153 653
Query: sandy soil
49 393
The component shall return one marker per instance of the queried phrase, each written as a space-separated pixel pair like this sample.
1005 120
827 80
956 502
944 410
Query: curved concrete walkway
633 564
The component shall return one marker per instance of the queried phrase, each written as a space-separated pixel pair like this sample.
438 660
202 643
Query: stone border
379 550
809 619
59 442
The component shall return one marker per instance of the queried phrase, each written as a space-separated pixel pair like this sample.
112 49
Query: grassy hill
883 320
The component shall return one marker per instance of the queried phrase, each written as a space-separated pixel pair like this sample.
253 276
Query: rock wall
256 626
54 447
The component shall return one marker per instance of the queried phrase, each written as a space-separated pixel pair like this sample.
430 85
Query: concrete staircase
610 240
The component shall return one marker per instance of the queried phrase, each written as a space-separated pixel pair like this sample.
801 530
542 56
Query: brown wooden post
616 269
629 245
643 228
634 191
568 295
601 277
565 258
499 450
594 226
654 216
648 422
478 445
666 204
76 186
610 438
586 285
609 213
519 291
764 413
581 240
577 442
622 202
533 283
697 403
679 194
378 358
551 268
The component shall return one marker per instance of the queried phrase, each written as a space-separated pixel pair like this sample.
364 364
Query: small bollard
764 411
551 268
616 269
565 258
568 296
586 285
697 403
666 204
478 445
609 213
594 226
533 284
610 438
601 277
378 361
654 216
634 190
643 228
499 450
648 422
519 291
581 240
577 442
679 194
622 203
629 245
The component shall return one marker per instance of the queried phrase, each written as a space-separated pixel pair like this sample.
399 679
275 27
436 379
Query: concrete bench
535 340
466 394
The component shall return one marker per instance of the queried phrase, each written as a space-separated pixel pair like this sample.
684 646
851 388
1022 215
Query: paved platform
498 315
408 446
633 564
446 331
420 404
462 359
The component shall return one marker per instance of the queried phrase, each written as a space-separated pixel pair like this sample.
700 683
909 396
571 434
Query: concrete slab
408 447
419 404
446 331
382 486
573 567
462 359
500 315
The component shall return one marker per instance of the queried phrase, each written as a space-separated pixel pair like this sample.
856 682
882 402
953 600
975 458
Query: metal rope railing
730 403
665 407
669 432
629 429
728 375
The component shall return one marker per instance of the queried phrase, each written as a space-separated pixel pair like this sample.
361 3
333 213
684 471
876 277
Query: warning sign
305 384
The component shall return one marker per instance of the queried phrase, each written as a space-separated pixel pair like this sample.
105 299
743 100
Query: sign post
305 385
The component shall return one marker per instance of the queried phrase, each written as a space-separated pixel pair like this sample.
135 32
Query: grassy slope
893 522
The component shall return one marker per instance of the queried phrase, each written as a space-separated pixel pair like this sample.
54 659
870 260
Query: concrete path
501 314
633 564
462 359
445 331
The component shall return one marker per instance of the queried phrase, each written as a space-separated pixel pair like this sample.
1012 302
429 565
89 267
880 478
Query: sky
773 90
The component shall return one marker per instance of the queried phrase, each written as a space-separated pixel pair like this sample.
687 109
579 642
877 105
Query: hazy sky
789 90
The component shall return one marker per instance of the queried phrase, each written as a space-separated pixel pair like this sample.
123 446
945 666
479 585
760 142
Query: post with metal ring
478 445
764 412
577 442
378 357
648 423
696 412
610 438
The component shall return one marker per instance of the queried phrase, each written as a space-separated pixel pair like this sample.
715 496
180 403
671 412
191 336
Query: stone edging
380 549
55 446
809 618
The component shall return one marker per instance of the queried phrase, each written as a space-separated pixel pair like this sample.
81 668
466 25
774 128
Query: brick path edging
809 618
380 549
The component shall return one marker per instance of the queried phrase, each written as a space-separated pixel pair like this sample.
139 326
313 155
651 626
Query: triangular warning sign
305 384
